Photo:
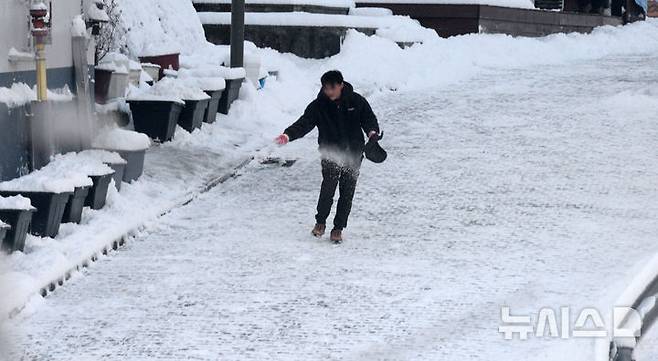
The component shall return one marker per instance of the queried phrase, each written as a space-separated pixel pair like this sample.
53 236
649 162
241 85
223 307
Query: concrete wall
15 157
18 126
458 19
304 41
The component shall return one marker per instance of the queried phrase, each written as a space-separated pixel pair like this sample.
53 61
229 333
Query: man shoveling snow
342 116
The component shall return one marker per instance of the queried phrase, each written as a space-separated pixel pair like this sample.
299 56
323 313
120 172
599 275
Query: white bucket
118 85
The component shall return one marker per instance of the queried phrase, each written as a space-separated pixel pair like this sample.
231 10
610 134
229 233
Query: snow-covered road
524 187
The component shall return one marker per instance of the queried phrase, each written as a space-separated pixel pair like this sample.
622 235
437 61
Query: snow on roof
15 202
121 140
327 3
523 4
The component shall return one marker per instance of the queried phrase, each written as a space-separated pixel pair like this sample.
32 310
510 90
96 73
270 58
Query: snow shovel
273 160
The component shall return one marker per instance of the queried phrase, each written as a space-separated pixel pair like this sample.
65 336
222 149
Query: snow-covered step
274 6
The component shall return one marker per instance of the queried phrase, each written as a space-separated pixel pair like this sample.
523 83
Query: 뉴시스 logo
565 324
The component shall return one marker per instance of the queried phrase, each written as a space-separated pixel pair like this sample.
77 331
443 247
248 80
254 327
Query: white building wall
15 32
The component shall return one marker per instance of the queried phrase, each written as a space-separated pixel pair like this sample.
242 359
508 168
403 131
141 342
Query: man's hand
282 139
373 135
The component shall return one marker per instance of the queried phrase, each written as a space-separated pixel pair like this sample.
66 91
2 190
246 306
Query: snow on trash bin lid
178 88
122 140
169 89
87 164
213 72
16 202
104 156
51 178
206 83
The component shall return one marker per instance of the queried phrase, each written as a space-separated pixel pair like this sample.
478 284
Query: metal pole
237 33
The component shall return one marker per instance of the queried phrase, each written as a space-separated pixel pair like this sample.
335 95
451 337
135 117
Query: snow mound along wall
159 27
522 4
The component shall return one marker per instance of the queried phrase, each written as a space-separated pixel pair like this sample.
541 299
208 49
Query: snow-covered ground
522 172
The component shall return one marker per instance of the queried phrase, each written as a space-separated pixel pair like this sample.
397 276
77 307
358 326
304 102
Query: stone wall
304 41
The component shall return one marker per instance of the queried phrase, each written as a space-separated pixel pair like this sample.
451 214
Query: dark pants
344 177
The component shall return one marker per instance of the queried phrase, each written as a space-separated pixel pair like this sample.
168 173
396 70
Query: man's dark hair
332 77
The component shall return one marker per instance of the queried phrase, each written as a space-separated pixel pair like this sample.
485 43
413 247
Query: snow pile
408 31
159 27
443 61
16 202
523 4
327 3
121 140
20 94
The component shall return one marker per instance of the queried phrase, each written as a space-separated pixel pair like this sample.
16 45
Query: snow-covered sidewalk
174 173
525 187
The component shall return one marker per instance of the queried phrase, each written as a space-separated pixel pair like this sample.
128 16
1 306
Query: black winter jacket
341 125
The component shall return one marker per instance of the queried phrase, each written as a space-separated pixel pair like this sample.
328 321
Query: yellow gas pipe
42 78
40 30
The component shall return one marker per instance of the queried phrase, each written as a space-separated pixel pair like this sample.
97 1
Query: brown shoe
337 236
318 230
